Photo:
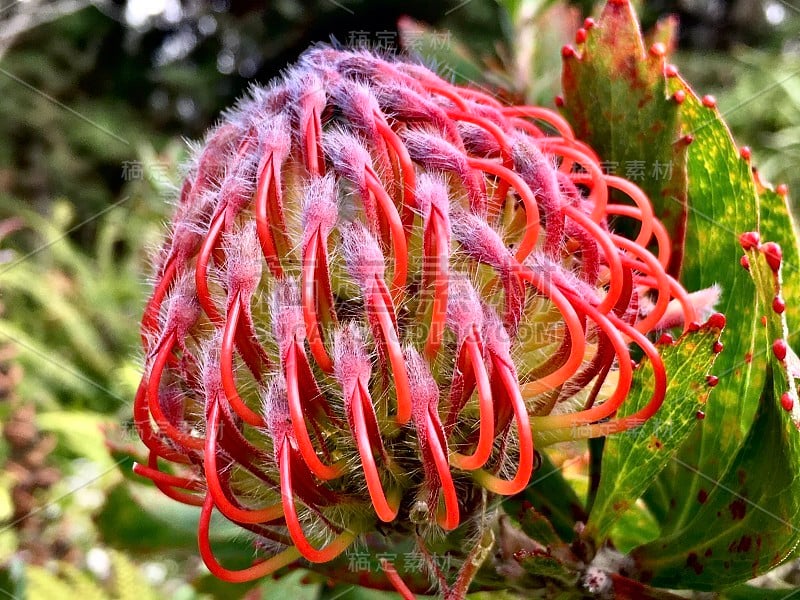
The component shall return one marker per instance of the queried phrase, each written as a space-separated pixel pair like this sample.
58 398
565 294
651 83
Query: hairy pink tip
183 309
287 314
463 307
480 241
432 193
351 361
320 208
348 155
362 254
244 260
276 411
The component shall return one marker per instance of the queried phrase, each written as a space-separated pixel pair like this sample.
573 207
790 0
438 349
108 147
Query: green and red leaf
632 460
744 522
734 478
617 100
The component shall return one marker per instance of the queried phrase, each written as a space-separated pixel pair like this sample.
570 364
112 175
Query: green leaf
41 584
552 497
142 520
616 99
723 204
778 225
537 527
128 584
634 527
548 567
290 586
745 521
633 459
81 433
614 92
749 592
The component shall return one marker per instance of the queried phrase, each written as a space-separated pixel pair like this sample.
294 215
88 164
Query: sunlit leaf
778 224
633 459
81 433
744 522
616 99
723 204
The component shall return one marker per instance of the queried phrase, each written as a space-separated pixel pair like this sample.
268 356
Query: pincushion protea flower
379 289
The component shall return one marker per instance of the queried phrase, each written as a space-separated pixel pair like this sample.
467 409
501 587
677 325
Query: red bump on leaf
666 339
716 321
567 51
658 49
679 96
749 240
745 262
778 304
782 189
588 23
773 254
709 101
779 349
671 71
787 402
745 153
559 101
580 36
712 380
717 347
700 415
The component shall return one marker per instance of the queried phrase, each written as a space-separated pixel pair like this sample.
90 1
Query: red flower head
378 290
